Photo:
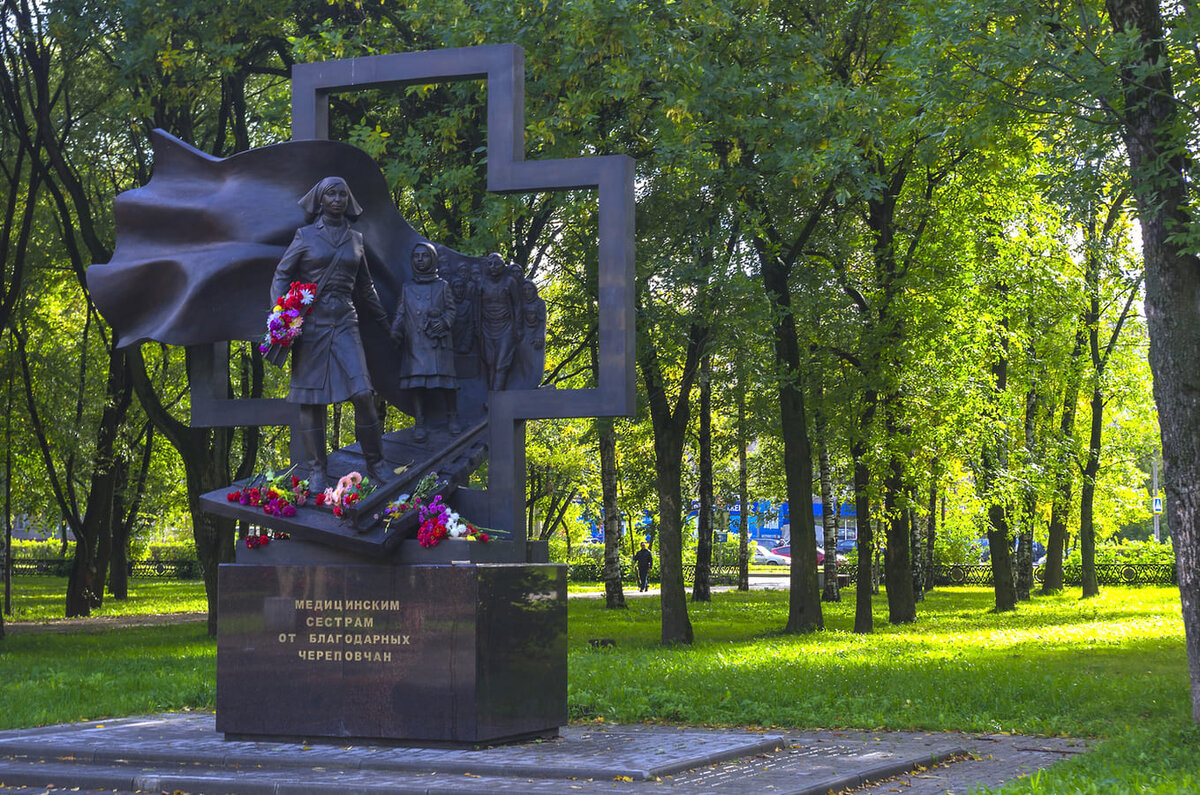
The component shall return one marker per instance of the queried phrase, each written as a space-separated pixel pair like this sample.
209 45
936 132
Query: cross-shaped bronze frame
503 67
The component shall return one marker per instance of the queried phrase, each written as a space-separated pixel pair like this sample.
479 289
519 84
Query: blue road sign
1158 504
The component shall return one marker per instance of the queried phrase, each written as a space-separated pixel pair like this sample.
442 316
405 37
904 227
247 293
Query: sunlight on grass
44 598
1050 668
1111 668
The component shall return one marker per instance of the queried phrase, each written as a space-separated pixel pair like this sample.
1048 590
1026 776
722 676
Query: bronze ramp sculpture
352 629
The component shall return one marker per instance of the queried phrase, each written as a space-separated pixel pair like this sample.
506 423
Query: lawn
1111 668
44 598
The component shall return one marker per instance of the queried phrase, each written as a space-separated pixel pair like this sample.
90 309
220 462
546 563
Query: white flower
455 527
306 297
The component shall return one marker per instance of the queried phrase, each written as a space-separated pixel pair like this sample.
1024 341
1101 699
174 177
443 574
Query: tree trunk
863 618
829 518
916 530
84 581
1052 571
743 493
1024 580
205 453
993 461
8 525
93 531
1023 565
670 429
931 522
1159 172
1001 556
701 590
676 626
125 521
898 573
118 559
1087 493
804 598
1064 479
614 593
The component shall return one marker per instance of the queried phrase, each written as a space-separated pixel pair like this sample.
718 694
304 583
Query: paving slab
183 753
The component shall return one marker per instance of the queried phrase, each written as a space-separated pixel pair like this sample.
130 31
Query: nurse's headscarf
312 200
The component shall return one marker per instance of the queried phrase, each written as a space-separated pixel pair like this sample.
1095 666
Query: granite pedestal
455 652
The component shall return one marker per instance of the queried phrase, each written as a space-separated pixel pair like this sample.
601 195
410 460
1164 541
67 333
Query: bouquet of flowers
286 320
260 538
349 490
438 522
275 494
410 502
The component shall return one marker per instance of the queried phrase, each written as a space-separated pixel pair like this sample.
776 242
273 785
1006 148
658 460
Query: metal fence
147 569
717 575
1106 574
962 574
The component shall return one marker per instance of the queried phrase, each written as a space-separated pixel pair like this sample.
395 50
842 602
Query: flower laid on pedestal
258 537
286 319
407 503
275 494
349 490
438 522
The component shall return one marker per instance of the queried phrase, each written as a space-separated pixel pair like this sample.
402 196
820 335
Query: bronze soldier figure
499 310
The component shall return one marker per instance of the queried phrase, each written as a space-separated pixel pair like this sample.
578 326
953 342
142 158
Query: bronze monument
458 631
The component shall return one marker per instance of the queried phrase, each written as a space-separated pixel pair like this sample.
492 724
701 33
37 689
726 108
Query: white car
764 556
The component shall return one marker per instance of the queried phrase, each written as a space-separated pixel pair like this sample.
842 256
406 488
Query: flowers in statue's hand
285 321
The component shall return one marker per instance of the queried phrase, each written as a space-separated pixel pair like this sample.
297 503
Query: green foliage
1127 552
164 551
40 550
156 551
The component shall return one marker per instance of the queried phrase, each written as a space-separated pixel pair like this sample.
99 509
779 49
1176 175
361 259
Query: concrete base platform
183 752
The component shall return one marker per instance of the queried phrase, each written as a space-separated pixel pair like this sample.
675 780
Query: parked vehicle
786 551
985 554
765 557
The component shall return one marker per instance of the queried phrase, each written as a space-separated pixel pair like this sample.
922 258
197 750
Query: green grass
44 598
1111 668
586 587
48 678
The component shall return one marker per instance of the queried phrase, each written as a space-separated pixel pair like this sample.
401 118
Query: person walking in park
643 559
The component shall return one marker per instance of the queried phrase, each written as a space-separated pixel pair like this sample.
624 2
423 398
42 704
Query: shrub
169 550
1127 552
41 550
